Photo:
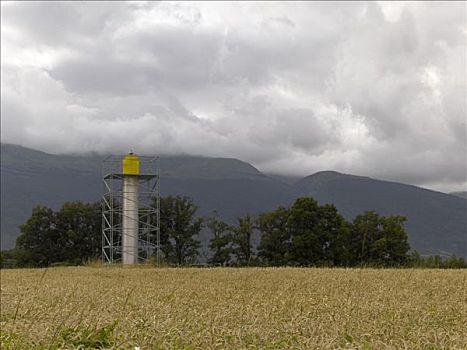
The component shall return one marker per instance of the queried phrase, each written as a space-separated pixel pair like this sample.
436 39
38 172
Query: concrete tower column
130 219
130 222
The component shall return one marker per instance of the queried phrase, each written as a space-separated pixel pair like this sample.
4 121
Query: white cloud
375 89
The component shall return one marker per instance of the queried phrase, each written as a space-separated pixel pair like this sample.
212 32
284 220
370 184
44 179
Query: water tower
130 209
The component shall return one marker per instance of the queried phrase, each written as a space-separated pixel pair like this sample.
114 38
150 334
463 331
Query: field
229 308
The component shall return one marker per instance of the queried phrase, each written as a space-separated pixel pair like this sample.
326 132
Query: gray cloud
369 88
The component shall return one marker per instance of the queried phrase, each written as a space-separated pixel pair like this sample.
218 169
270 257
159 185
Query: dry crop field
233 308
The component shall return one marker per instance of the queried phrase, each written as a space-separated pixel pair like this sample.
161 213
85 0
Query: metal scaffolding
148 209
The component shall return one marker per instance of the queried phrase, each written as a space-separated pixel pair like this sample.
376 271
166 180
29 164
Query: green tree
274 247
71 235
241 239
391 246
332 232
304 234
379 240
179 229
453 262
80 224
39 241
306 248
220 243
9 258
364 232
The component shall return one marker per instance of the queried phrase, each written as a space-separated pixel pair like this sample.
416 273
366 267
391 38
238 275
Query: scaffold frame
149 209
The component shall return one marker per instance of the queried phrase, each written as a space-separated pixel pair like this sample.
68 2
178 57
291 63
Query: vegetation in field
304 234
233 308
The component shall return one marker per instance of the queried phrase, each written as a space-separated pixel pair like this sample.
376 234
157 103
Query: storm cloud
375 89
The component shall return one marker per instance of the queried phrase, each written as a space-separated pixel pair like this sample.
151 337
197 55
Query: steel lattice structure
149 209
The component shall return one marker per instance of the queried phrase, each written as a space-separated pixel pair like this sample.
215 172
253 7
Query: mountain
30 177
437 222
462 194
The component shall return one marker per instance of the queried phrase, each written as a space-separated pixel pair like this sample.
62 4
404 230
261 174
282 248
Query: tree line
303 234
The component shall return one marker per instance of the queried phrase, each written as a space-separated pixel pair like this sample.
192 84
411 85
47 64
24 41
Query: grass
228 308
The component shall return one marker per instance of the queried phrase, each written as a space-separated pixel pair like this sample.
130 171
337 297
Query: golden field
233 308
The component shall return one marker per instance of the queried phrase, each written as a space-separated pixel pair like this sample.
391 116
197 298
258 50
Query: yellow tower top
130 164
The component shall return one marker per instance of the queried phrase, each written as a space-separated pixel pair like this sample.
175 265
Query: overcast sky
376 89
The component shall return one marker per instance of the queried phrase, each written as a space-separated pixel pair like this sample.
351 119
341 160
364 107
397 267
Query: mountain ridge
233 188
461 194
430 213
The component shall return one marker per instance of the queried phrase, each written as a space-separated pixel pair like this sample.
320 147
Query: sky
375 89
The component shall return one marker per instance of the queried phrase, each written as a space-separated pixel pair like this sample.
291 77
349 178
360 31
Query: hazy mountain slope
461 194
437 222
288 179
30 177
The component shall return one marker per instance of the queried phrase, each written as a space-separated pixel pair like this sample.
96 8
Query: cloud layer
376 89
